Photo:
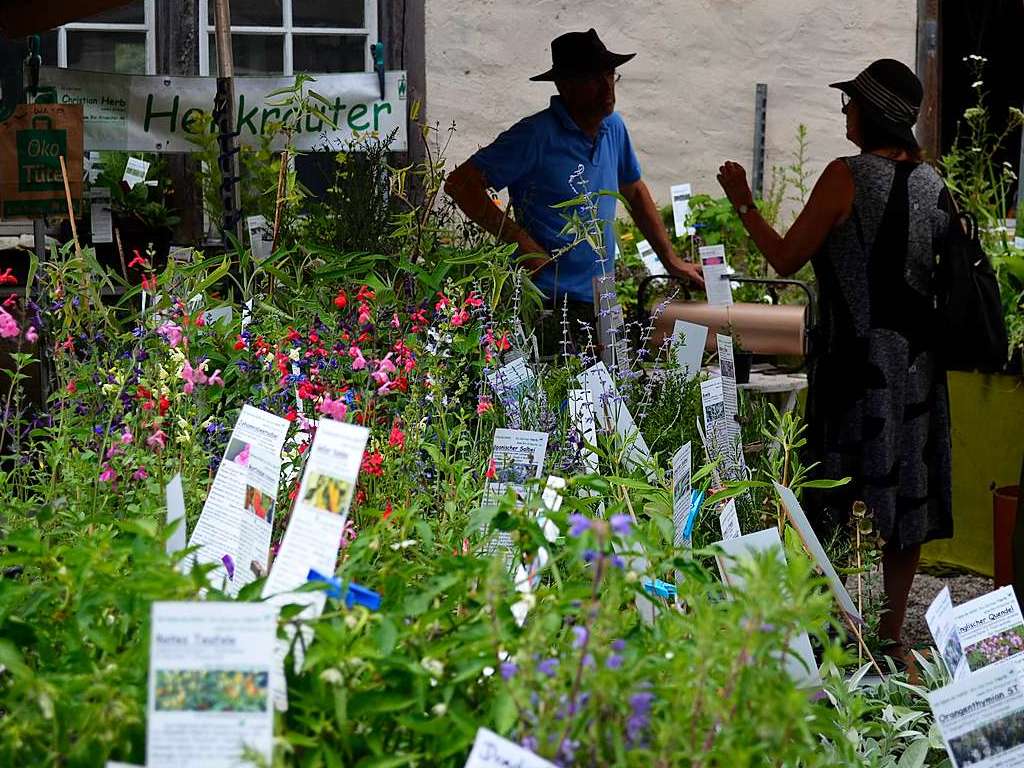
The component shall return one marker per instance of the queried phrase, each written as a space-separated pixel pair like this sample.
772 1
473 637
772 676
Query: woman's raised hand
733 179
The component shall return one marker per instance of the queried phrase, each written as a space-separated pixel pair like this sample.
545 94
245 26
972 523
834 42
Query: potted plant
141 216
742 358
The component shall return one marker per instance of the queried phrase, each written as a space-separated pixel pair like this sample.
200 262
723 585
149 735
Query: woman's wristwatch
744 209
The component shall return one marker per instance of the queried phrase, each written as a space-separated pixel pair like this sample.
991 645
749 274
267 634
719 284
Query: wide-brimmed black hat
580 54
891 93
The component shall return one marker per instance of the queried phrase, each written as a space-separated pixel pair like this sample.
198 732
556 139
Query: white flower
433 666
488 671
440 709
332 676
403 544
351 621
977 84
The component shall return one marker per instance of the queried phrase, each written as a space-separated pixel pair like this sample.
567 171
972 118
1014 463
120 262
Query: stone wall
688 96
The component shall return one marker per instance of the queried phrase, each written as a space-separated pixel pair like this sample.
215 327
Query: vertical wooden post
403 30
929 69
178 31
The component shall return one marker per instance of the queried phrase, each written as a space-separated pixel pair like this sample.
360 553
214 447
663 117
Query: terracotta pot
1004 520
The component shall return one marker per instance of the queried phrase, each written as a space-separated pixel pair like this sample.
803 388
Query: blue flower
614 661
579 524
548 667
508 670
579 637
622 525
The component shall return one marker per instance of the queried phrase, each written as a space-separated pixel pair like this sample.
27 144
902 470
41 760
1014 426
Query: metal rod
760 117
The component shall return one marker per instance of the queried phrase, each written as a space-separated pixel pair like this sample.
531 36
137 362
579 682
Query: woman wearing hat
877 408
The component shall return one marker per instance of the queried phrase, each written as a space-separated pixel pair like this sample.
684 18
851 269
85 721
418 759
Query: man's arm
467 186
648 220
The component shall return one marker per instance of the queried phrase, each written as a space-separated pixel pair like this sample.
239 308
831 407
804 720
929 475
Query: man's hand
687 271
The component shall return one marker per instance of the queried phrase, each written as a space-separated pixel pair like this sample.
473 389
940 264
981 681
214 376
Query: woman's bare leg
898 570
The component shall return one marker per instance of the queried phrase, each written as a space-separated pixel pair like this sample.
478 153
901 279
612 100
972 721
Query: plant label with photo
492 751
516 387
941 620
991 629
716 274
516 458
681 209
315 531
135 172
650 259
727 364
209 677
799 521
981 717
234 528
527 574
688 341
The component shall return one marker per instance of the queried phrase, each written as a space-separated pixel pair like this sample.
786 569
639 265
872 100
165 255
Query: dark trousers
566 331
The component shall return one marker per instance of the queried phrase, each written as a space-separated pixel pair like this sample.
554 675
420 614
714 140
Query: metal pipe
224 114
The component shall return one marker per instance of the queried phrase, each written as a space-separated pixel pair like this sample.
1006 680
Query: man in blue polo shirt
578 145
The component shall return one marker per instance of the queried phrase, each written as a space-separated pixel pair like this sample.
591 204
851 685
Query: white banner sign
160 113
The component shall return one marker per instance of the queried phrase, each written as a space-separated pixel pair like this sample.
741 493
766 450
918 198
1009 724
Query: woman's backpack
972 331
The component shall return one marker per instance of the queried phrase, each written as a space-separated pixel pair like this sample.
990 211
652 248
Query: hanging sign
166 114
32 142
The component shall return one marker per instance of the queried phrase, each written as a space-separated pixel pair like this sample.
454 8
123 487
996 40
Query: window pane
328 13
48 48
133 13
123 52
329 53
252 54
253 13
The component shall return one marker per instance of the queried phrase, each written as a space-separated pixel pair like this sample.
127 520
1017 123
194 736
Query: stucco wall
688 96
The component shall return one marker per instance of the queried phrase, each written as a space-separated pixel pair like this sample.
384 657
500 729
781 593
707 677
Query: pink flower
336 409
31 335
171 333
483 405
8 325
358 361
492 470
242 459
140 474
395 322
215 379
386 365
127 436
380 377
108 475
473 300
157 441
460 318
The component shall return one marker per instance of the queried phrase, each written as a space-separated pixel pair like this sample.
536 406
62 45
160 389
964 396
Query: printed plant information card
613 414
991 628
209 677
981 717
516 458
236 522
681 492
650 259
681 209
941 620
716 274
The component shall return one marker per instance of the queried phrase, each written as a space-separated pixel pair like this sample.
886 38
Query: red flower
360 496
473 300
200 319
365 294
7 278
149 282
72 387
396 439
341 300
240 344
291 415
387 511
293 335
164 404
138 261
373 463
142 392
492 470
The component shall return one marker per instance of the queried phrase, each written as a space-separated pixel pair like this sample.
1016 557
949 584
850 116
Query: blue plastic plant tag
696 500
659 588
354 594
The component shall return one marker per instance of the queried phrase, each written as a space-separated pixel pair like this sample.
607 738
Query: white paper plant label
492 751
716 274
650 259
681 209
135 172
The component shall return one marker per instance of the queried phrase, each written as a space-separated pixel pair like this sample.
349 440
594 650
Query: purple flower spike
229 565
622 525
614 661
618 645
578 525
508 670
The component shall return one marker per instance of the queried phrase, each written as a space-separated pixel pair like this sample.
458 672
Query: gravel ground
962 587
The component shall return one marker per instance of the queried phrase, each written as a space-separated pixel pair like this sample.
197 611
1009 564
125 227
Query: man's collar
565 119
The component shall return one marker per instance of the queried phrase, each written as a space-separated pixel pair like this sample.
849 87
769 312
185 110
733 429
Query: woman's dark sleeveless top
878 407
